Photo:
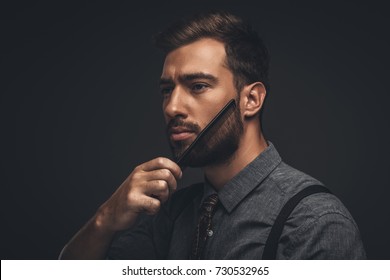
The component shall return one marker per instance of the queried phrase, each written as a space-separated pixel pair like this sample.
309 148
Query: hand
147 187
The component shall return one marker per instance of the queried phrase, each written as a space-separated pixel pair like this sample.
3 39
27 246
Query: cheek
208 113
202 117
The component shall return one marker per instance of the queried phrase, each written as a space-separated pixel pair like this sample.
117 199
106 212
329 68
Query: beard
217 146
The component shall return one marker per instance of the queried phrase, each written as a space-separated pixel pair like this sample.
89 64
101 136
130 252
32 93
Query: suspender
271 244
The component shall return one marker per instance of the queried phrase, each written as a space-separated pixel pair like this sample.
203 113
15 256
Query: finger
162 163
166 175
157 189
150 205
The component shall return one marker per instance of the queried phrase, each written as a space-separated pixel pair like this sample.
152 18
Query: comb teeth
226 111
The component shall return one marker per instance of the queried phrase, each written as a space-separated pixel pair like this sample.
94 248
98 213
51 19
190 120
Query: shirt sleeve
148 239
135 243
330 236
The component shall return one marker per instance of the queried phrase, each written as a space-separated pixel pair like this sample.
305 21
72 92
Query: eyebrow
190 77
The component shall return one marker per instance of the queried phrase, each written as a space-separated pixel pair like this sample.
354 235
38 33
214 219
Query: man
211 59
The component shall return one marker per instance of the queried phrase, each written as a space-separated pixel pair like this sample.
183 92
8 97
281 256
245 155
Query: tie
203 229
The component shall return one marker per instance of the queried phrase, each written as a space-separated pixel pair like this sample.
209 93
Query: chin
178 149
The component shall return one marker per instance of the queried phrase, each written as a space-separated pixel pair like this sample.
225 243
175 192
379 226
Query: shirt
320 227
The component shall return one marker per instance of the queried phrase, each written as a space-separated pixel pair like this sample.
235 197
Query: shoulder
321 210
290 180
284 182
320 226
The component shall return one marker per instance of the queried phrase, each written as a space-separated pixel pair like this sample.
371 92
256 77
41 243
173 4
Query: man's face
196 85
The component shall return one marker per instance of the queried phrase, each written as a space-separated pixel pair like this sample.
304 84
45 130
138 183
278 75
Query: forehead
205 55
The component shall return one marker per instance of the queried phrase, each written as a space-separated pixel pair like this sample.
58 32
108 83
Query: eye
166 91
199 87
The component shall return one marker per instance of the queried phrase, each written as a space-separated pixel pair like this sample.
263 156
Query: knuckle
162 184
165 173
154 206
160 160
135 177
137 168
130 198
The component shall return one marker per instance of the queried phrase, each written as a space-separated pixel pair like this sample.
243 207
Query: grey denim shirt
320 227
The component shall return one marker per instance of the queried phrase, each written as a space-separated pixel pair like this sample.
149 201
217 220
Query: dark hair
246 55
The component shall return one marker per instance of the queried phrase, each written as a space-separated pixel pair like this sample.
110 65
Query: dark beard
219 147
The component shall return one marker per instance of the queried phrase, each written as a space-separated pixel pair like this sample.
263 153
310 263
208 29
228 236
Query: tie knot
209 204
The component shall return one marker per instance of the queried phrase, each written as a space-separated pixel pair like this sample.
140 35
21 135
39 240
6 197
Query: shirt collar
247 179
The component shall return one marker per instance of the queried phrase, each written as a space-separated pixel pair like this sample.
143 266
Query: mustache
179 122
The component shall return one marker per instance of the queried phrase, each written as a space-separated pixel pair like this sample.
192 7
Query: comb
201 142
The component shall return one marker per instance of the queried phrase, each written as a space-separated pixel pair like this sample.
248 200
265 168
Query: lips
180 133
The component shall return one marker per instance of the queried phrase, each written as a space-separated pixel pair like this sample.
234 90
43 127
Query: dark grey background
80 107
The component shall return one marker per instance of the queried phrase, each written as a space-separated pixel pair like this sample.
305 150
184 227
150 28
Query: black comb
206 134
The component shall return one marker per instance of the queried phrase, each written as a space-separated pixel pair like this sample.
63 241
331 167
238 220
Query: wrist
101 226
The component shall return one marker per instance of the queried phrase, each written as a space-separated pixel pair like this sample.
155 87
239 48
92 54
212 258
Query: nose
174 105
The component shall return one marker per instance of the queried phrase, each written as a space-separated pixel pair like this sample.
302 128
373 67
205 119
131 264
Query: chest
240 234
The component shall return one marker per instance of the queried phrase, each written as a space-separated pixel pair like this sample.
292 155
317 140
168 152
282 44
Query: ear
253 99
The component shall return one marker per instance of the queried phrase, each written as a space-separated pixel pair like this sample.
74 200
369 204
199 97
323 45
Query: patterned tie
203 229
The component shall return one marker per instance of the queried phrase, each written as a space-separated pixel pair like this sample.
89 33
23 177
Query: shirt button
210 232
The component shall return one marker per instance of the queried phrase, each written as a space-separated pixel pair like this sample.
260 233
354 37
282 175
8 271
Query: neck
251 145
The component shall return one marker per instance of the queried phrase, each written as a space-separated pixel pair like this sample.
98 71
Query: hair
246 55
